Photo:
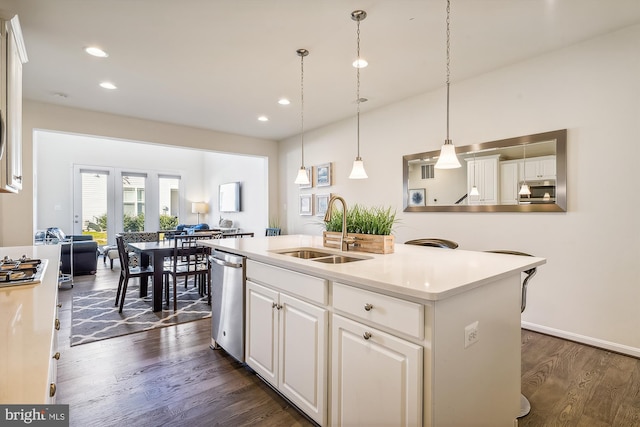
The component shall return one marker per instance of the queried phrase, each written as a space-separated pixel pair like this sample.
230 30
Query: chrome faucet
345 241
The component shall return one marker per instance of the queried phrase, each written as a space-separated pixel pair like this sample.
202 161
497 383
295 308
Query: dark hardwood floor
171 377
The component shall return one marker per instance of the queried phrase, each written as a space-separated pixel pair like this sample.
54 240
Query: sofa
85 250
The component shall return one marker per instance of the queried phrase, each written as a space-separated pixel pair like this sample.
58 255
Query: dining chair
127 272
525 406
189 260
433 242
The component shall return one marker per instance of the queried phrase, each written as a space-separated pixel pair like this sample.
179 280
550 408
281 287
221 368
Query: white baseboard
595 342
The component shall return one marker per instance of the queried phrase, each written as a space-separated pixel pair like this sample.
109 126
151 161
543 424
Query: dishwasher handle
224 263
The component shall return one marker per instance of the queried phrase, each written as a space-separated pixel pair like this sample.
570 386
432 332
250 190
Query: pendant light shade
302 178
474 190
358 172
448 158
524 190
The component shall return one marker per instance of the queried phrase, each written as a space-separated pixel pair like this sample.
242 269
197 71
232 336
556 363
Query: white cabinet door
538 168
483 173
286 344
261 339
13 56
376 377
303 347
509 183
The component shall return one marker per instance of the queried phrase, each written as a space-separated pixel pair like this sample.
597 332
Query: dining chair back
189 260
127 272
433 242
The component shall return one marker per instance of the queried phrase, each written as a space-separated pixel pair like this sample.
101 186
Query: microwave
543 191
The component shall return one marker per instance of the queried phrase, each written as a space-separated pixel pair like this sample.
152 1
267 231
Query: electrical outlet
471 334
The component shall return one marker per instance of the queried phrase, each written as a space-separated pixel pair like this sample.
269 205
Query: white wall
253 175
590 288
57 153
17 213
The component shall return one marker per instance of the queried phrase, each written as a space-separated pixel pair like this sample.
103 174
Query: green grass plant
364 220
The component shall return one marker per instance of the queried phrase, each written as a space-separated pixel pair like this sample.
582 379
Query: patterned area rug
94 316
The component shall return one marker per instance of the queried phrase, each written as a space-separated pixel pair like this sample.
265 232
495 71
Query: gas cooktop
22 271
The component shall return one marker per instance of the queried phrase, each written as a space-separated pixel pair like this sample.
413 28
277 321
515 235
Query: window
427 171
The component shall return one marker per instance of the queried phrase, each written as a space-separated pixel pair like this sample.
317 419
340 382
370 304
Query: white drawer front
309 287
397 314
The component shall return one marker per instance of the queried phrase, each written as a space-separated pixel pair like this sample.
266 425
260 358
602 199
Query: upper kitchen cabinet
12 55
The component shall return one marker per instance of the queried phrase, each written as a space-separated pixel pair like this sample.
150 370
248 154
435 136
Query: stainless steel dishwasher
227 302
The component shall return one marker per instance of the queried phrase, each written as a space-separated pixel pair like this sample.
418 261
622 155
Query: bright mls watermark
34 415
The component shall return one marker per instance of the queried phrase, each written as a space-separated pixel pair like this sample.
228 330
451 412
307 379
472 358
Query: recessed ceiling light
360 63
108 85
96 51
263 118
284 101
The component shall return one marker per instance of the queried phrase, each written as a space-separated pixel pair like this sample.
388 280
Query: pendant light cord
358 87
302 104
448 141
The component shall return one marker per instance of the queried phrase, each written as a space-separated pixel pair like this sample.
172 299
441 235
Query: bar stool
525 406
437 243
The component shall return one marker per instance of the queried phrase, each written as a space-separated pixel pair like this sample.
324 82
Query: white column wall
590 288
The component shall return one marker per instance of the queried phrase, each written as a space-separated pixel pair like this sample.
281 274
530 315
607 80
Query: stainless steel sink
305 253
337 259
320 256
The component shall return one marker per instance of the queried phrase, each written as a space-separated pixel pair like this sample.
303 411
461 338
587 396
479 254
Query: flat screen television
229 197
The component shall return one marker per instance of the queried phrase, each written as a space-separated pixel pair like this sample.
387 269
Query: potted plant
370 226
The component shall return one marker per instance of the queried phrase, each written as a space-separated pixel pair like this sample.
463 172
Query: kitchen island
422 336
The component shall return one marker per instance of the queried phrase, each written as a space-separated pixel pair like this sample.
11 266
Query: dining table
156 251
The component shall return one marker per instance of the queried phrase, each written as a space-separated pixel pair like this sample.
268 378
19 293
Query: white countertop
27 315
418 272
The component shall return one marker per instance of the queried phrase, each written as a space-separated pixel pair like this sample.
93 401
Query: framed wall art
322 202
306 204
323 175
417 197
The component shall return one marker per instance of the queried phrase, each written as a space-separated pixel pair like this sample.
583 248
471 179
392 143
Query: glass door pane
94 204
169 209
133 202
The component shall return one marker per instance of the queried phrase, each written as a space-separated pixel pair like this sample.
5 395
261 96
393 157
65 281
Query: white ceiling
219 64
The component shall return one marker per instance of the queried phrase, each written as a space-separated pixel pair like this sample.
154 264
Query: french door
93 203
110 200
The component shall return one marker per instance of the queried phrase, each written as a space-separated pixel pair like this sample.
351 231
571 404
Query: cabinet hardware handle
274 305
57 355
52 390
368 307
60 305
57 324
279 306
366 335
17 177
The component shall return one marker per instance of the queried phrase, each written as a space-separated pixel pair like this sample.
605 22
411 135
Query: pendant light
358 172
524 189
474 190
448 158
303 177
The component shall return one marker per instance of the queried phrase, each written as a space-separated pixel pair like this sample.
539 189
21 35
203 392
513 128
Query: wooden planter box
371 243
